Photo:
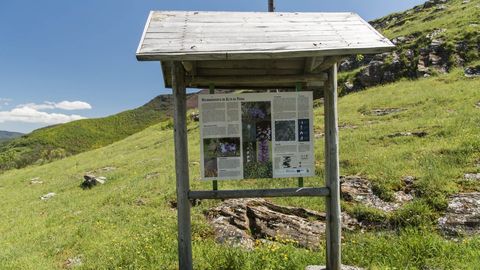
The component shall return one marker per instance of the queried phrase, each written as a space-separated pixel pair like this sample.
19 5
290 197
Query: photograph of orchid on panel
259 135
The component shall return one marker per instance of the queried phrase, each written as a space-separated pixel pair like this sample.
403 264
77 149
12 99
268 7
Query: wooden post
332 178
181 167
271 6
298 87
211 91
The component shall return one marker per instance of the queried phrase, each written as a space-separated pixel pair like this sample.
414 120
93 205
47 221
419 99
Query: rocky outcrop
472 71
462 216
419 54
359 190
419 134
384 111
472 176
91 180
240 222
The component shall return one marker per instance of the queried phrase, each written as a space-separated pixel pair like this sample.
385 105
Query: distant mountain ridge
8 135
59 141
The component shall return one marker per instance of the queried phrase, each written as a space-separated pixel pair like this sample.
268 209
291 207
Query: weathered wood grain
181 167
179 35
258 193
332 174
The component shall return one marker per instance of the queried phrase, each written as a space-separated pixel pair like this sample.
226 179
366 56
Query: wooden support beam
328 62
285 79
258 193
181 167
311 63
332 178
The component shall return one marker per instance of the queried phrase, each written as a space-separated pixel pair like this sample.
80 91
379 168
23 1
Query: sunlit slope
129 222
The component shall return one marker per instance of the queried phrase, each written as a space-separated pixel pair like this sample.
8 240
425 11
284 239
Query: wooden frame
331 191
254 50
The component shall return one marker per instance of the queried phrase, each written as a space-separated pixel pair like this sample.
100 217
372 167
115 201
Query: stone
385 111
36 181
419 134
343 267
102 170
461 46
346 65
357 189
462 216
465 1
440 7
432 3
435 33
472 176
477 104
47 196
472 71
195 116
152 175
347 126
73 262
91 180
140 202
348 86
408 182
239 222
399 40
410 54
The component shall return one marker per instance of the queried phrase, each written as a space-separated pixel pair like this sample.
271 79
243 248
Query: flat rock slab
385 111
462 216
47 196
472 176
419 134
357 189
321 267
240 222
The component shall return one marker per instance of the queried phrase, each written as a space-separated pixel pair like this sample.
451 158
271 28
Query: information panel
258 135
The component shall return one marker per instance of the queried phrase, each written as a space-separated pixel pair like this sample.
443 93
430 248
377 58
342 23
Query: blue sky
66 60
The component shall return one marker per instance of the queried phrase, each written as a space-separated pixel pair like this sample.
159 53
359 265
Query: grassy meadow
129 223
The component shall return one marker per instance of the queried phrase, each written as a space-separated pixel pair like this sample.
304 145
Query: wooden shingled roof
255 49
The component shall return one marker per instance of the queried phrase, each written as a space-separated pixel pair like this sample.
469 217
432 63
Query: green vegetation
128 222
56 142
430 39
457 17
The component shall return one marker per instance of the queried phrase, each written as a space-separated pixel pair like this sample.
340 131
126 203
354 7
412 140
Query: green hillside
432 38
128 223
50 143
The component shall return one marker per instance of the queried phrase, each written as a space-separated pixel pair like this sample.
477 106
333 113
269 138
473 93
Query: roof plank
191 35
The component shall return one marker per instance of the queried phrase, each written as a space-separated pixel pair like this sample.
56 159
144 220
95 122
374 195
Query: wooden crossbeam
328 63
252 80
258 193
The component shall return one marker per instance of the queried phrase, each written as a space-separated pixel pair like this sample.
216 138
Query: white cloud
73 105
4 102
33 113
63 105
